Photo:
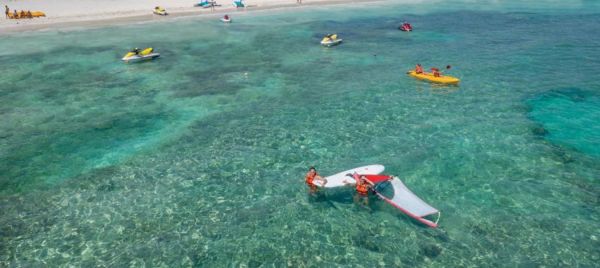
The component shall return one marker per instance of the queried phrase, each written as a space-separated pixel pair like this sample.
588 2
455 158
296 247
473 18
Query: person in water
419 69
363 186
226 17
311 176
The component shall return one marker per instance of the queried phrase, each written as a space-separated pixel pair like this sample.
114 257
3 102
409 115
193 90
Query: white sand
73 13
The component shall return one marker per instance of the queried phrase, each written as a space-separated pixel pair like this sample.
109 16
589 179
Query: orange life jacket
310 179
362 188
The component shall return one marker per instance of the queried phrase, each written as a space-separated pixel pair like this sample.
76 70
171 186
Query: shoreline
99 20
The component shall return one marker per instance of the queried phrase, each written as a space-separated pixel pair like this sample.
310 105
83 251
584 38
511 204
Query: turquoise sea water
198 158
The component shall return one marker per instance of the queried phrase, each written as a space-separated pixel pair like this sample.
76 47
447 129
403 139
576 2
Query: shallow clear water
198 158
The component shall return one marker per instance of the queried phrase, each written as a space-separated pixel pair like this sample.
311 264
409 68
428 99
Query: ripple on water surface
196 159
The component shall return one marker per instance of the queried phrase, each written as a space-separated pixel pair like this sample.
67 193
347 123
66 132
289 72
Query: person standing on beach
298 1
6 10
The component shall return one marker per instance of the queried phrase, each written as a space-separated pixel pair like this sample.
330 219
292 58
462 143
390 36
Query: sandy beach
89 13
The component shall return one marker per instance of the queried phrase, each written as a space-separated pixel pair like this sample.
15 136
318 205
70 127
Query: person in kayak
363 186
419 69
436 72
311 176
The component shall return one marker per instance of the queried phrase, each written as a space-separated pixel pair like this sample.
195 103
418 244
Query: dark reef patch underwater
569 117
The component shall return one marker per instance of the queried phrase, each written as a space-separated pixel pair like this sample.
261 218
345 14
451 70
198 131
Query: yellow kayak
444 79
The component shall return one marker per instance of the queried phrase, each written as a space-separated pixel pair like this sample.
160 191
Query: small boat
137 55
442 79
331 40
160 11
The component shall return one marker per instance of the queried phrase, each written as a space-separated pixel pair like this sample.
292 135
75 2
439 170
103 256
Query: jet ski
160 11
140 55
331 40
406 27
226 18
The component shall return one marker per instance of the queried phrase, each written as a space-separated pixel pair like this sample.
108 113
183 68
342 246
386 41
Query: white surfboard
341 179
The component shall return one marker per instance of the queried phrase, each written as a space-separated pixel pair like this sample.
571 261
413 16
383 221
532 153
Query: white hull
342 178
136 58
331 43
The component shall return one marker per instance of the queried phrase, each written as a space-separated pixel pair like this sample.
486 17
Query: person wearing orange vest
363 186
311 176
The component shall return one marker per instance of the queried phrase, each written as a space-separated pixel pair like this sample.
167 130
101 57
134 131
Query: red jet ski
406 27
